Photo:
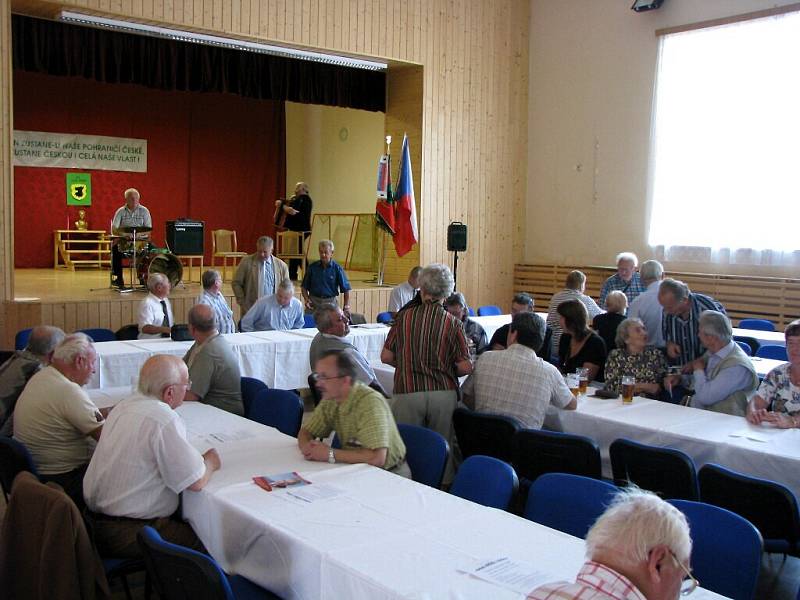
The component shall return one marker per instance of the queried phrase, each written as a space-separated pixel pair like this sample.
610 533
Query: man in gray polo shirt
213 367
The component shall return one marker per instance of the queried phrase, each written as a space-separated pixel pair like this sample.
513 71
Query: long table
763 337
382 537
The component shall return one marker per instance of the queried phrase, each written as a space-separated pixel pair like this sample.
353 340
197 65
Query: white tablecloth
763 337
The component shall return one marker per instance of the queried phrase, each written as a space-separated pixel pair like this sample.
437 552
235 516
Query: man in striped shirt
625 280
680 324
428 348
574 288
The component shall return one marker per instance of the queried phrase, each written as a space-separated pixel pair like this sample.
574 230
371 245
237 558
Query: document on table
313 493
230 436
510 574
750 435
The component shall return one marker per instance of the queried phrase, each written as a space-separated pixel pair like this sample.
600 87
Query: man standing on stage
132 214
259 274
295 215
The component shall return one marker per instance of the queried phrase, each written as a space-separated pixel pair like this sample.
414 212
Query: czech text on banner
77 151
384 208
406 234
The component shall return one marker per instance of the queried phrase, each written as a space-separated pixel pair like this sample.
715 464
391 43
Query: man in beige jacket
258 275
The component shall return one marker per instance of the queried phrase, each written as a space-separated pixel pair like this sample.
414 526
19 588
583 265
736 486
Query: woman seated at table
579 346
778 398
633 356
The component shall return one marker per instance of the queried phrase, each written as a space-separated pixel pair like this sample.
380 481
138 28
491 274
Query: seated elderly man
724 376
516 382
405 292
574 288
778 398
523 303
358 414
143 462
638 548
213 367
280 311
24 364
679 325
55 418
625 280
155 312
212 295
456 305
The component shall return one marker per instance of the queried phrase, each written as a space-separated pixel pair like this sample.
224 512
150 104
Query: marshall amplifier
185 237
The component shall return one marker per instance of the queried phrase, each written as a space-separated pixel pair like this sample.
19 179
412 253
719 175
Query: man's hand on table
315 450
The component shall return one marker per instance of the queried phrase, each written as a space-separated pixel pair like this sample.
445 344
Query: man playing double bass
294 214
132 214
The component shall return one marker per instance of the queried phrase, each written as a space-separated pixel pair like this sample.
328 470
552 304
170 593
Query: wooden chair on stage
291 245
223 242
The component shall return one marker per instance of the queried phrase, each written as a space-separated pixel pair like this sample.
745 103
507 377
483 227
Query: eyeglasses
188 384
689 583
318 377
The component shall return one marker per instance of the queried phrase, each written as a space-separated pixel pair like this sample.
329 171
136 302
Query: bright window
726 146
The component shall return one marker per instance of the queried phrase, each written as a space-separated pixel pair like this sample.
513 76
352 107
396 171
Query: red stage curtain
214 157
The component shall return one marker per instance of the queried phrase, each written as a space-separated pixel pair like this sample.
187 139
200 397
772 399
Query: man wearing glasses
359 415
638 549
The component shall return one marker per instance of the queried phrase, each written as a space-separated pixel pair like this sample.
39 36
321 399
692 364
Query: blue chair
99 334
426 454
14 459
470 312
21 339
746 347
309 321
484 433
384 317
750 341
773 351
668 472
569 503
726 549
179 572
280 409
485 480
757 324
490 310
250 386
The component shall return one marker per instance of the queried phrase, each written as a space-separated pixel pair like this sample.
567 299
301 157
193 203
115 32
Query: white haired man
55 418
280 311
324 280
143 462
131 214
405 292
626 279
646 305
24 364
154 317
212 295
638 549
258 275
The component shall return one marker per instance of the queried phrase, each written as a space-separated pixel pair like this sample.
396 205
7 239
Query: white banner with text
77 151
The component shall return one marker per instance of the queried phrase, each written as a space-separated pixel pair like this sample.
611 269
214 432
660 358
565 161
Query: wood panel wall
473 58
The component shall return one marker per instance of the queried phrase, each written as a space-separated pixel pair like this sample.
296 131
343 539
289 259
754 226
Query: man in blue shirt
280 311
324 280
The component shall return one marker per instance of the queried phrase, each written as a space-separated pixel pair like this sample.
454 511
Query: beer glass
573 383
583 379
628 383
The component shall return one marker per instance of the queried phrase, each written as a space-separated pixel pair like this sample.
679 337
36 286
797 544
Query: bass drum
168 264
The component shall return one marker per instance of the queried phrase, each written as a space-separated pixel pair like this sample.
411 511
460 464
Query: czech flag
384 208
406 233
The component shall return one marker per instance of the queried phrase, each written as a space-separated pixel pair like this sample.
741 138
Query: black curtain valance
57 48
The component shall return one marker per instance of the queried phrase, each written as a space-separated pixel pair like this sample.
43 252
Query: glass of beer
573 383
583 379
628 384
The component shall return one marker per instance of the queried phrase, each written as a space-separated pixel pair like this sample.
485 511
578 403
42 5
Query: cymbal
137 229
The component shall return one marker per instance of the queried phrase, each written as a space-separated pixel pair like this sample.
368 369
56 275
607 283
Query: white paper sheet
511 574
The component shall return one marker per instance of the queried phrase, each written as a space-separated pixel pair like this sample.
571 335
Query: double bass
280 214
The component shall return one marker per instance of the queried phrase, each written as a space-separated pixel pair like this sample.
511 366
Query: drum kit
146 259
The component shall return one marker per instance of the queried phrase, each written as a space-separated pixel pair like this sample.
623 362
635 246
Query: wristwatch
331 457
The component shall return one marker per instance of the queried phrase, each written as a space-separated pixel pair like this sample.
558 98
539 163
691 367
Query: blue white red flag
406 233
384 207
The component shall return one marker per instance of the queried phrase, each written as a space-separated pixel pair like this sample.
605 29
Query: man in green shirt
358 414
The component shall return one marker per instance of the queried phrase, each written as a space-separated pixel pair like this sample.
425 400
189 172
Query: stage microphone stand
455 270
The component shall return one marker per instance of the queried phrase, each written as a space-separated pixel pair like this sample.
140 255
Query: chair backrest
426 454
668 472
127 332
250 386
768 505
569 503
384 317
535 452
757 324
308 321
470 312
223 240
746 347
14 459
21 339
750 341
98 334
773 351
181 573
280 409
484 433
486 480
489 310
726 549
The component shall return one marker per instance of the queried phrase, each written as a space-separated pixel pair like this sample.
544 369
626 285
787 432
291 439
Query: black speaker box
456 237
185 237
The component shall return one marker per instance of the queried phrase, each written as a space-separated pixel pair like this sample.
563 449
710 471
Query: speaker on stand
456 242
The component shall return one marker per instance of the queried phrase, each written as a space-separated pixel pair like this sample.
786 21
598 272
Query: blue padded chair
750 341
757 324
309 321
569 503
250 386
426 454
746 347
773 351
21 339
384 317
668 472
14 459
484 433
179 572
486 480
768 505
470 312
490 310
98 334
280 409
726 549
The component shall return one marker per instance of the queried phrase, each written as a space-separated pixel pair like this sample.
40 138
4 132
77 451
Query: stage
83 298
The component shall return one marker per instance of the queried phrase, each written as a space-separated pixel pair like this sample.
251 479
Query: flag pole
384 235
